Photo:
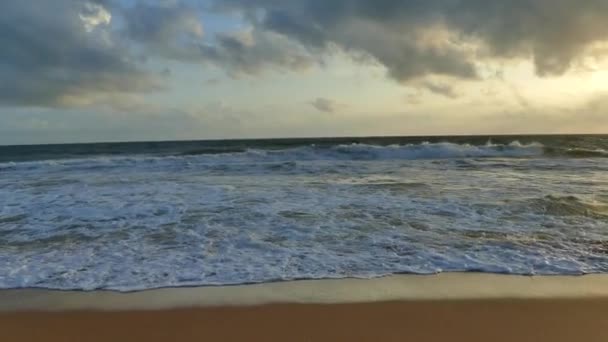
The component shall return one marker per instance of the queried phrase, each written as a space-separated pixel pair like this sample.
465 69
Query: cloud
414 38
62 53
174 30
83 53
168 29
440 88
252 51
80 53
325 105
94 15
413 98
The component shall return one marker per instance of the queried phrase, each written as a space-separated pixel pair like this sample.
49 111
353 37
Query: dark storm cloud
56 53
408 36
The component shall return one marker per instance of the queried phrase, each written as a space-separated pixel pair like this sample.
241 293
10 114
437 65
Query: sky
139 70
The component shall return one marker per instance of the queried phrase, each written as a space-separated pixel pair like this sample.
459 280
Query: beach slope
402 308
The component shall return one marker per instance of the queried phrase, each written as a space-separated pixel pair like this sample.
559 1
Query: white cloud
94 15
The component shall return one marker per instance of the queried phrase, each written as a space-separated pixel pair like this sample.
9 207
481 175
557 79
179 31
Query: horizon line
308 138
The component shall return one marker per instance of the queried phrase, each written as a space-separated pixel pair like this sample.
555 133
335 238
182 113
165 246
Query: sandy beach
451 307
467 320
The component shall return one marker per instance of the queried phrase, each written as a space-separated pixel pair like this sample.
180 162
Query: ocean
134 216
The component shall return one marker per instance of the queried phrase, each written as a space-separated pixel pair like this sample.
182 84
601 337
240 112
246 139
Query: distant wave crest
426 150
439 151
576 152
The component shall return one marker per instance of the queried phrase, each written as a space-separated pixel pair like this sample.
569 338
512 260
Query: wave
567 206
211 151
576 152
364 152
405 152
445 150
302 212
424 150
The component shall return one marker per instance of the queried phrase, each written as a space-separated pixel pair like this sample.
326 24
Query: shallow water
137 216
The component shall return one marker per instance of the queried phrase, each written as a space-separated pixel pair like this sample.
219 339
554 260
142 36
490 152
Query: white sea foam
137 222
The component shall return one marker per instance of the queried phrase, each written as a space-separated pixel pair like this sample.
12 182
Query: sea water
133 216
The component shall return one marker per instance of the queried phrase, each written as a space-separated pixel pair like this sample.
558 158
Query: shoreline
411 288
448 307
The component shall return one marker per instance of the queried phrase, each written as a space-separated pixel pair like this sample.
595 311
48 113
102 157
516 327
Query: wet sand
436 308
468 320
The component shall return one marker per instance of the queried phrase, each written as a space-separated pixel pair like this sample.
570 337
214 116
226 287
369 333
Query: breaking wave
241 213
410 152
312 152
254 157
